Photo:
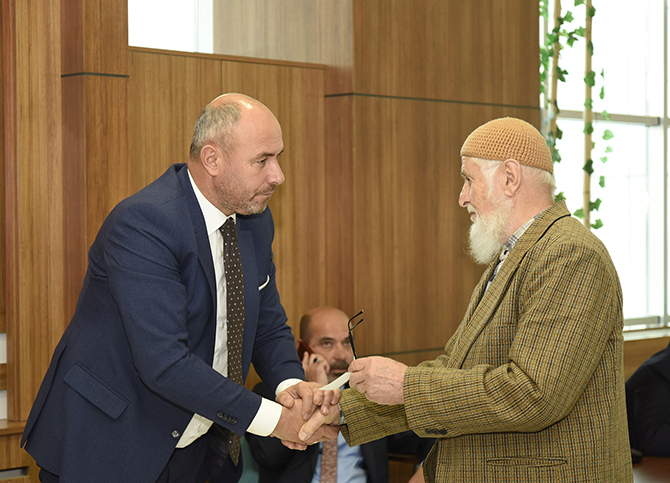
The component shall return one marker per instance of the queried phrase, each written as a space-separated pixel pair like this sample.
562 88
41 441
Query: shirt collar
214 218
515 237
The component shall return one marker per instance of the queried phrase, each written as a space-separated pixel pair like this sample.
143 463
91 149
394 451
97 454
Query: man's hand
319 426
316 368
311 397
379 379
291 422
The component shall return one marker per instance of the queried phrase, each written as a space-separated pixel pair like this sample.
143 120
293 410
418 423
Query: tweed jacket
531 385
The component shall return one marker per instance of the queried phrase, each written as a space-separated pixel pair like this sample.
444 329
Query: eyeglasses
352 325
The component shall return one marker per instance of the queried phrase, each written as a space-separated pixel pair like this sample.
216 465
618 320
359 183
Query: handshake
311 415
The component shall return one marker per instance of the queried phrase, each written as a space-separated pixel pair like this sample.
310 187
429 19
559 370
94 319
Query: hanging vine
550 74
589 206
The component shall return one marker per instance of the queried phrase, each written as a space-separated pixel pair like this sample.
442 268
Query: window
184 25
630 49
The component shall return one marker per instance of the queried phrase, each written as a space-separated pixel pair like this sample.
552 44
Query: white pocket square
267 280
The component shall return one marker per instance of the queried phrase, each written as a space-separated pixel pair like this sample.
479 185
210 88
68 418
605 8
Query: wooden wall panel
167 93
295 95
74 188
412 275
108 167
95 36
11 454
315 31
3 309
340 203
482 52
34 203
396 237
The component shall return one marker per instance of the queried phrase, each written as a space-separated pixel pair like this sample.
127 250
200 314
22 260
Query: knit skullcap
509 138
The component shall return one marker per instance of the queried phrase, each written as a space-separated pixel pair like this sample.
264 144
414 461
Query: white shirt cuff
266 418
269 413
287 383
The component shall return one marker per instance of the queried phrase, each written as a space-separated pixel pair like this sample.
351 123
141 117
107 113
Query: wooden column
33 195
65 95
95 115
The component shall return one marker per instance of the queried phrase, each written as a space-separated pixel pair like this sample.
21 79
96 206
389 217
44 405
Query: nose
464 197
276 175
342 353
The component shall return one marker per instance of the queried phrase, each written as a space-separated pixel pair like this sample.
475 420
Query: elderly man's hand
378 378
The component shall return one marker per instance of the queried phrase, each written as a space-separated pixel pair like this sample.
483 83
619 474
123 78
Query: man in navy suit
137 388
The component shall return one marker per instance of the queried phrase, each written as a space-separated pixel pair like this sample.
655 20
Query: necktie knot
228 230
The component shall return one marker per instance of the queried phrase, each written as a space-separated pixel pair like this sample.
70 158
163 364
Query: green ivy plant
553 43
549 57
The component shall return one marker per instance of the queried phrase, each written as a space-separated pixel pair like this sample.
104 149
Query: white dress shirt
268 414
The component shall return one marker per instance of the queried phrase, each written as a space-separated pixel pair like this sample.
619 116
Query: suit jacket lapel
484 302
199 231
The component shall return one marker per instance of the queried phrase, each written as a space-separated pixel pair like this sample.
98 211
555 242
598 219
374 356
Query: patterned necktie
329 461
232 265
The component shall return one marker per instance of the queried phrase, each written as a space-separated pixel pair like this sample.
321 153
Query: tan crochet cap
509 138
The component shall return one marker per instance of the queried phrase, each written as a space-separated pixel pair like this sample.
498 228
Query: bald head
218 119
322 317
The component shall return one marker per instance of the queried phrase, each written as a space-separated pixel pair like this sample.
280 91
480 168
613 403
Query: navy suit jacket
278 464
135 362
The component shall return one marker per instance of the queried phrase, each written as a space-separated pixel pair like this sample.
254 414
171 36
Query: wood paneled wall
315 31
419 78
33 220
412 275
33 195
3 308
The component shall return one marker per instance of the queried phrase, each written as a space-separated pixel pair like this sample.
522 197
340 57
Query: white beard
488 234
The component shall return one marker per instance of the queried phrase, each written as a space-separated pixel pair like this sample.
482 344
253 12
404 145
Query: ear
512 172
210 157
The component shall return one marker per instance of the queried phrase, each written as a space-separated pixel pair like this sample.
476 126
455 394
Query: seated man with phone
326 352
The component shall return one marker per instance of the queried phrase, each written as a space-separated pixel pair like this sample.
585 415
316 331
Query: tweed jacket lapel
484 303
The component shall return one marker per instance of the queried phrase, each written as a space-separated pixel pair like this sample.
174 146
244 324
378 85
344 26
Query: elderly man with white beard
530 387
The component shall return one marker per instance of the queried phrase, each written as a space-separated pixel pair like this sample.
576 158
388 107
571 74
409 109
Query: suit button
175 434
220 415
233 420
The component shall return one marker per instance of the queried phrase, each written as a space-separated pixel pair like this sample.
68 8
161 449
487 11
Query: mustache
339 364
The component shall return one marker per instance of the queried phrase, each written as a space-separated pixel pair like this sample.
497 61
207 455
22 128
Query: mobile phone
302 348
